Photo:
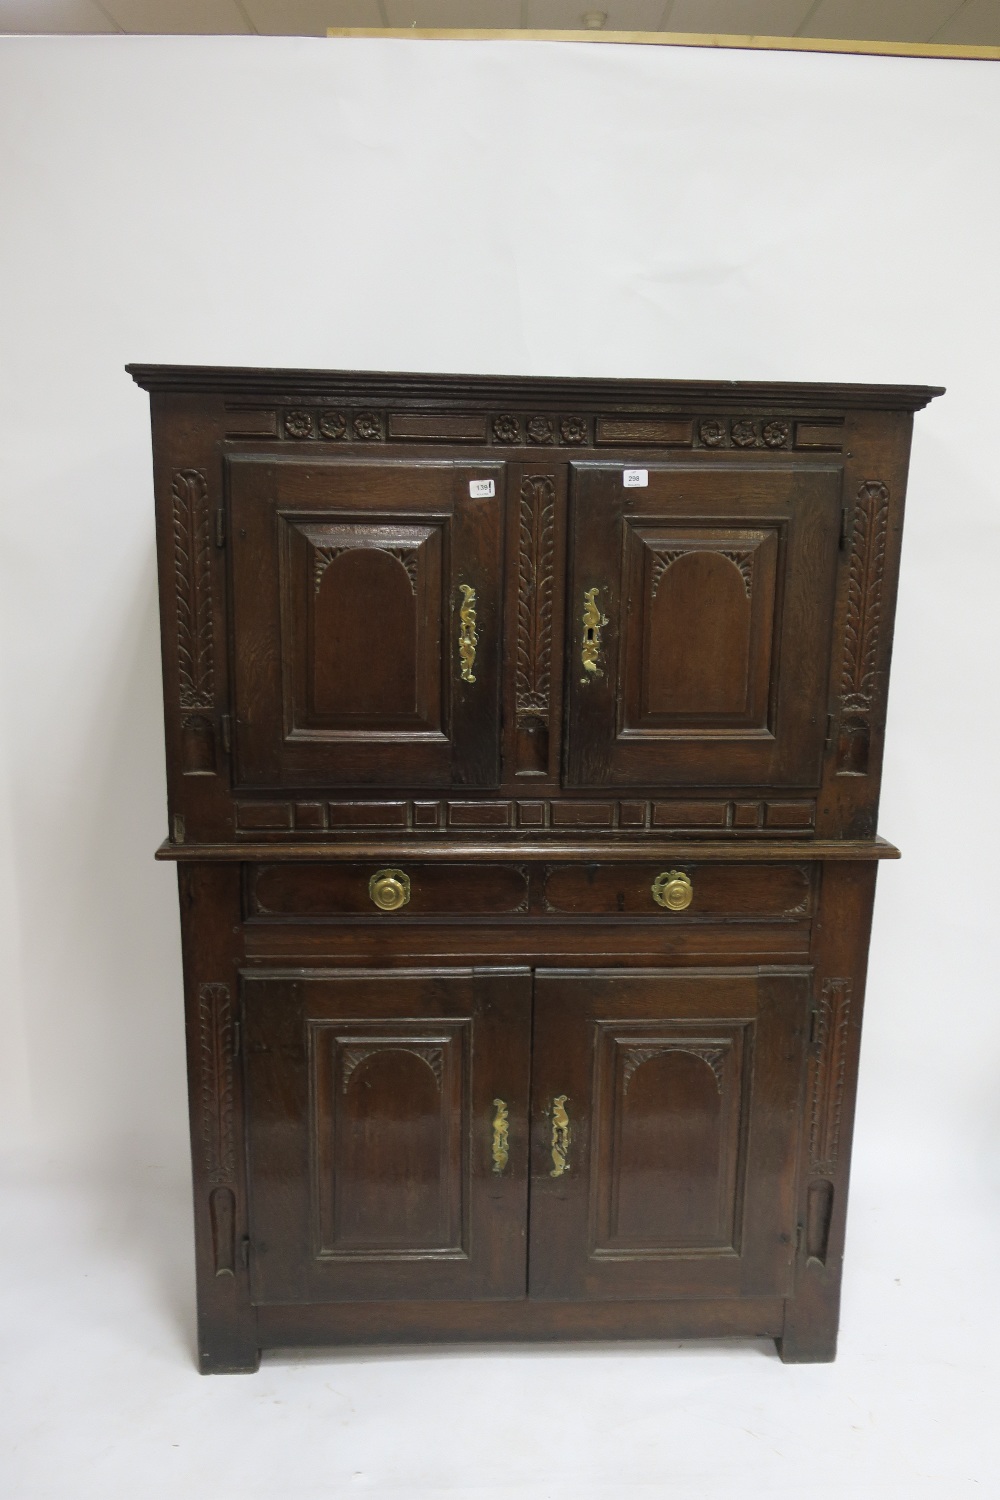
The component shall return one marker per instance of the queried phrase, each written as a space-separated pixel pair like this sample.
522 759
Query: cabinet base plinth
488 1322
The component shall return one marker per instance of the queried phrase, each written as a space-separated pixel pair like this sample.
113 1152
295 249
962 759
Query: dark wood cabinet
524 745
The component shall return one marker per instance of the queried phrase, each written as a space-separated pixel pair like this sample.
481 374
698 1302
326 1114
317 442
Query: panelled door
387 1133
366 605
665 1108
701 606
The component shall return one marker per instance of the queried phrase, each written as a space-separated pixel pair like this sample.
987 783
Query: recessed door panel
665 1133
366 620
702 612
387 1119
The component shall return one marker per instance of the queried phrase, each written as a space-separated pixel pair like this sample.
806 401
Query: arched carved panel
388 1141
699 635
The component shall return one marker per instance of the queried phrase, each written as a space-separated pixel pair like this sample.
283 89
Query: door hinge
220 527
237 1037
830 721
845 525
227 734
245 1252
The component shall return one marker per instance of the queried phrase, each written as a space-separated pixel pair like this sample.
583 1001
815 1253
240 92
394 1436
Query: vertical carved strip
861 631
218 1142
534 596
828 1068
193 586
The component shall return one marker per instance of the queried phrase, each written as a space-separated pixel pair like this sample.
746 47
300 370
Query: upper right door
702 602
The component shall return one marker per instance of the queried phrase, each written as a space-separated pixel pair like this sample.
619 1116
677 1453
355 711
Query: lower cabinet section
389 1113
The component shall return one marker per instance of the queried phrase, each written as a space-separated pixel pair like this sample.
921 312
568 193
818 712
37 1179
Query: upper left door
366 622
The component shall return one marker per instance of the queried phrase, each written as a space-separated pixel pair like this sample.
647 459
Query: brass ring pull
389 889
501 1137
561 1136
673 889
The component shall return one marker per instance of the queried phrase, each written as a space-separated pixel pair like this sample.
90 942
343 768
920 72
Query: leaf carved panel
863 624
193 588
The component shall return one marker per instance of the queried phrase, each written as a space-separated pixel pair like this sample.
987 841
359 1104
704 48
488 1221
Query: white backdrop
522 208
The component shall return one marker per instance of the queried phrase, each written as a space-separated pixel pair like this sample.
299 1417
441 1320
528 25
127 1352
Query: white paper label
482 489
635 479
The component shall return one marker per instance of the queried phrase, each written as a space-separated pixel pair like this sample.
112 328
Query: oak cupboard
524 743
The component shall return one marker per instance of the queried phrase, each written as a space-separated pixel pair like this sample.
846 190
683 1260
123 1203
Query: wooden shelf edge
510 850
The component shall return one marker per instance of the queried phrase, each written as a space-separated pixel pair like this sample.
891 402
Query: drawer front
394 890
712 892
320 892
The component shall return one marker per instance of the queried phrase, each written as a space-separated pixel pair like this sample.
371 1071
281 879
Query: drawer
702 893
386 890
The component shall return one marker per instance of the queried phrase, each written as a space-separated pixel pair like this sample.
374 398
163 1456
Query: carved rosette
298 423
507 429
541 429
368 426
862 624
828 1069
216 1037
536 552
193 588
333 425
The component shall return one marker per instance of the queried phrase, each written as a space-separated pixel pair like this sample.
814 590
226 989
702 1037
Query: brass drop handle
561 1136
389 889
468 636
501 1137
673 889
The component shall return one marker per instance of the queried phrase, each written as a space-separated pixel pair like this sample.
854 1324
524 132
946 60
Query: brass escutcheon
593 620
389 889
561 1136
673 889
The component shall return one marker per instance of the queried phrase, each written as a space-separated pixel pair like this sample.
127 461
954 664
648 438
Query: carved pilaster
828 1071
861 631
193 588
217 1052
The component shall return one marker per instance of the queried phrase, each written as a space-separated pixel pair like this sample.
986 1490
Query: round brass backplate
673 889
389 889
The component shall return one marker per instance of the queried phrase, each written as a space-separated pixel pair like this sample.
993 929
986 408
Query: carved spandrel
828 1070
353 1057
862 626
634 1057
193 588
216 1038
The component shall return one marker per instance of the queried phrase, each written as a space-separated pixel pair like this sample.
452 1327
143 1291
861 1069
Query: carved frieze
193 588
563 429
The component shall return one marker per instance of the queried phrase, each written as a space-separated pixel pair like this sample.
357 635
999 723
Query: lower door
665 1136
386 1120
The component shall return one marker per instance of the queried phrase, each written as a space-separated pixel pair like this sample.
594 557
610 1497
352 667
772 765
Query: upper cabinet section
439 607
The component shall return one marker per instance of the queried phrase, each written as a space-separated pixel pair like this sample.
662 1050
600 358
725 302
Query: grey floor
101 1399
